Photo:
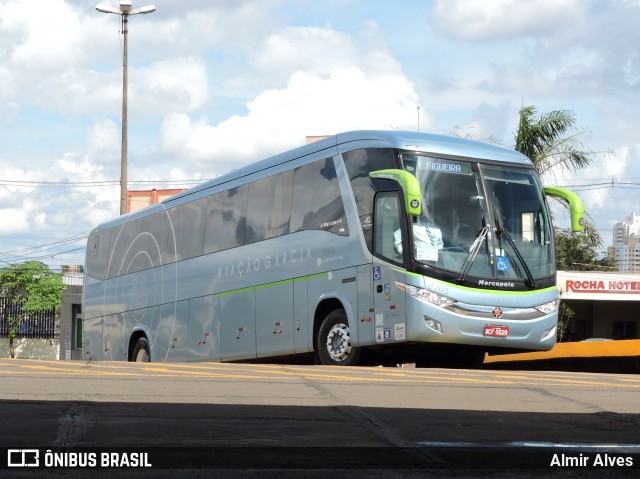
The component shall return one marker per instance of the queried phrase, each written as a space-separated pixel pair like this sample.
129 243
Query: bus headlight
550 307
426 295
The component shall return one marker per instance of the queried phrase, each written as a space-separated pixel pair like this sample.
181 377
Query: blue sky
214 84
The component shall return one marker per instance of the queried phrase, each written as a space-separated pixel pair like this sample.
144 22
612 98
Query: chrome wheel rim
142 356
339 342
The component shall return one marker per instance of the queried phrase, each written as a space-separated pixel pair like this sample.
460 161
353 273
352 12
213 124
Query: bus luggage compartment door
238 325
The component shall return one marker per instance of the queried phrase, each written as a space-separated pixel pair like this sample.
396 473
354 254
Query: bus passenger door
366 311
389 247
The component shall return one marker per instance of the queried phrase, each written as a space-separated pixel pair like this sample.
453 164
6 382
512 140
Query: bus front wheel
141 351
334 341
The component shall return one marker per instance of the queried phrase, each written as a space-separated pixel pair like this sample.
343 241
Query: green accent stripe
316 276
481 290
399 270
270 285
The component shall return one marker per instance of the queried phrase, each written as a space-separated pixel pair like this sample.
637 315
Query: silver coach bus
393 245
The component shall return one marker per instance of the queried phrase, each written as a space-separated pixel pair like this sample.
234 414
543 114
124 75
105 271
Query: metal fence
34 325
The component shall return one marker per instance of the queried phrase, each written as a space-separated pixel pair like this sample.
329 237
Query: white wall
31 348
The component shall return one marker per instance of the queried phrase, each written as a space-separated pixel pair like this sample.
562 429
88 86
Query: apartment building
626 247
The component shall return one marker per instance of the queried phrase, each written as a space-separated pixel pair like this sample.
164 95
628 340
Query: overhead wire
85 184
45 251
43 247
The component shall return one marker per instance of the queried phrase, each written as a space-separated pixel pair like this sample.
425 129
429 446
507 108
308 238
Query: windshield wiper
472 254
500 231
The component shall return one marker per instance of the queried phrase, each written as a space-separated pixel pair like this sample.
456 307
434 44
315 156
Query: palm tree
548 141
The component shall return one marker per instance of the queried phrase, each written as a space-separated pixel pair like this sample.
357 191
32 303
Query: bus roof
405 140
437 144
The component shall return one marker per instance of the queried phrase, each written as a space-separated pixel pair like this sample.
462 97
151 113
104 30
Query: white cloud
482 20
313 49
610 167
278 119
104 136
35 22
19 219
200 26
177 84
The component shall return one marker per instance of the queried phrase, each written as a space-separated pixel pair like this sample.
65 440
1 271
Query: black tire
334 341
141 353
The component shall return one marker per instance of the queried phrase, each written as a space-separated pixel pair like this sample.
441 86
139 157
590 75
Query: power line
577 185
45 251
85 184
43 247
36 258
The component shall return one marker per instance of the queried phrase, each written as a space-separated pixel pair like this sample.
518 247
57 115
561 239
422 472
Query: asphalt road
252 420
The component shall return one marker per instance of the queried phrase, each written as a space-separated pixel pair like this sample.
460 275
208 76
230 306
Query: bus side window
226 218
98 257
269 207
188 224
317 204
387 228
359 163
121 237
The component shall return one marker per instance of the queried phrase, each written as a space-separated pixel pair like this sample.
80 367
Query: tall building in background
626 244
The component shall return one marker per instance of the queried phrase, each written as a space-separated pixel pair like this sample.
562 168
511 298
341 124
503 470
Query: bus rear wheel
334 341
141 351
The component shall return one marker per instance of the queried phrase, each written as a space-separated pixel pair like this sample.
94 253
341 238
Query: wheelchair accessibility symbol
377 275
502 263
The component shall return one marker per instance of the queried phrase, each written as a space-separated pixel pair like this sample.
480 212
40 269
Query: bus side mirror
576 208
410 188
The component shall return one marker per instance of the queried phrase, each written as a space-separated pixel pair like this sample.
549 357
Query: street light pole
124 148
125 11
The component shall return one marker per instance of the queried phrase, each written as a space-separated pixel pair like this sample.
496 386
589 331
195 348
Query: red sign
600 286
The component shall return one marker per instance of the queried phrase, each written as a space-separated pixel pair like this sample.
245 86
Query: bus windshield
481 220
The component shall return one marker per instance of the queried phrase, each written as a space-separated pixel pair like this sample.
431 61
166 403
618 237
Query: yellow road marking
244 371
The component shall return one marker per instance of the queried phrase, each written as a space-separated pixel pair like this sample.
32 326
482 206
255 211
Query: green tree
550 141
32 285
580 251
565 315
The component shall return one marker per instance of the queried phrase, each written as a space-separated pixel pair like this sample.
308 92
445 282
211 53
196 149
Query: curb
621 356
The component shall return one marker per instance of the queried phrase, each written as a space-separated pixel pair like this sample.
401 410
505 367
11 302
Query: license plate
497 331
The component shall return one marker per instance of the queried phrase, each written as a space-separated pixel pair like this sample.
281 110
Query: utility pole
125 10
